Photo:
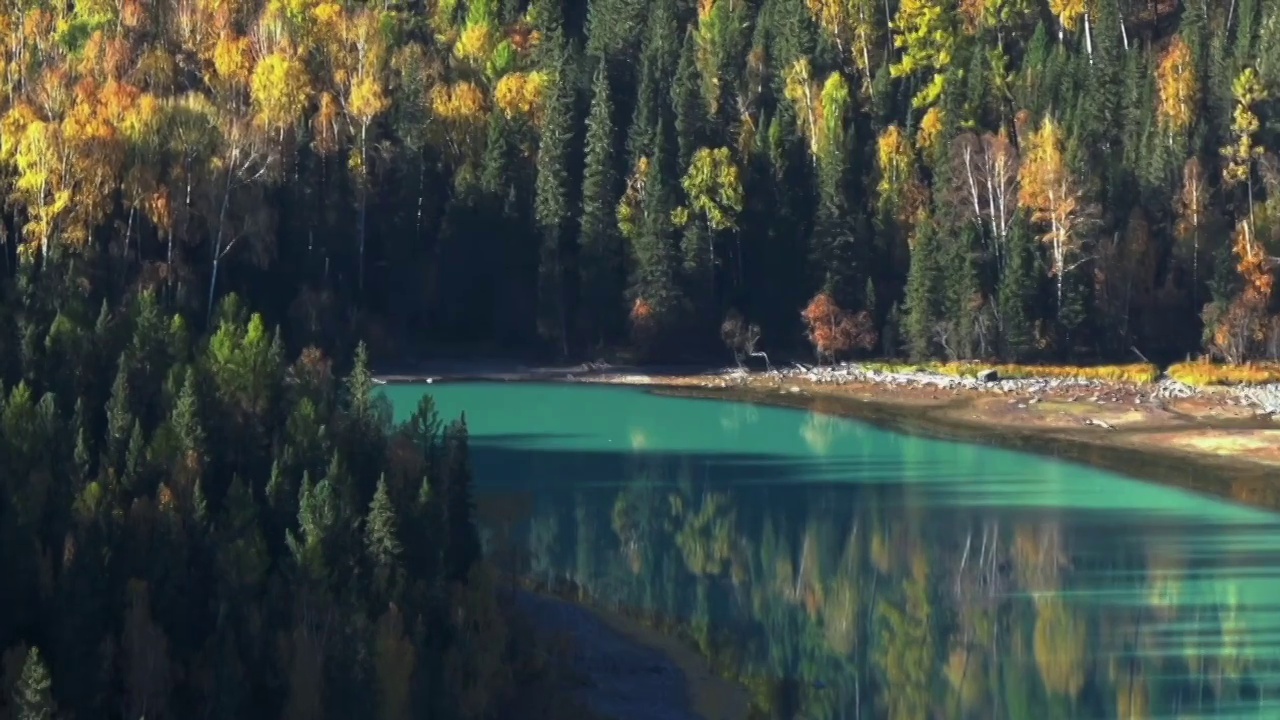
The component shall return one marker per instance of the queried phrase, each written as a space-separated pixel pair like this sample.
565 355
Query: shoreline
1218 440
636 672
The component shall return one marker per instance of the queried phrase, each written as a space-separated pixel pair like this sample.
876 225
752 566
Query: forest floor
633 671
1224 440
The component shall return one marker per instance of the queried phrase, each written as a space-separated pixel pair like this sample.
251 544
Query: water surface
865 573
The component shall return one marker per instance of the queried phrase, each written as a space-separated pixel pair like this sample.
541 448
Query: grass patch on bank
1198 373
1201 373
1136 373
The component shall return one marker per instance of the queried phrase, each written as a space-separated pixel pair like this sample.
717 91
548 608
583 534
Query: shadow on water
1240 481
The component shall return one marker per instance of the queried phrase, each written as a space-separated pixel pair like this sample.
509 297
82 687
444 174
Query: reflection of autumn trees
967 676
707 535
636 518
820 430
1060 646
841 616
1038 556
905 652
841 604
1165 576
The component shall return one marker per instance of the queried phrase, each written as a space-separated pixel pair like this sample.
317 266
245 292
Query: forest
201 528
1060 180
209 207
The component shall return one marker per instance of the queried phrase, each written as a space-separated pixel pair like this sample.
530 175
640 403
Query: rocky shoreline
1265 398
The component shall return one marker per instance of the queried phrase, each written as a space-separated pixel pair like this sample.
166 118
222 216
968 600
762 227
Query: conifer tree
653 289
462 543
359 386
83 453
135 456
687 103
1017 293
552 201
381 536
601 252
119 417
963 294
33 695
922 292
185 419
658 56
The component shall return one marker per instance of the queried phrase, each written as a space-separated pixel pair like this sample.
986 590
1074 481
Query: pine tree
600 246
552 193
134 459
359 384
281 498
83 453
653 288
495 166
1017 293
119 417
656 67
186 420
33 694
462 540
832 250
382 537
687 103
963 293
922 293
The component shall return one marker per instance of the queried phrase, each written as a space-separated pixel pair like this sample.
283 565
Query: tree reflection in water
862 601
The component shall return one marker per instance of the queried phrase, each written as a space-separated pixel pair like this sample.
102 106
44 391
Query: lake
862 573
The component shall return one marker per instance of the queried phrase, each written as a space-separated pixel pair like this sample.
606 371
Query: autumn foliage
834 331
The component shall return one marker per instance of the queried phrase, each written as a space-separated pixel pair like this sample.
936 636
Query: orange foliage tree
834 331
1233 331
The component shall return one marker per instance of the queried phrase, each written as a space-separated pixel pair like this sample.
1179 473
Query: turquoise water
873 574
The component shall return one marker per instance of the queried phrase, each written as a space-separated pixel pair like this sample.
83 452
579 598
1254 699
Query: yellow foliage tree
713 186
232 65
520 93
280 89
853 25
930 132
1243 151
899 190
1052 194
820 107
1191 206
456 112
924 31
802 93
1178 86
1068 13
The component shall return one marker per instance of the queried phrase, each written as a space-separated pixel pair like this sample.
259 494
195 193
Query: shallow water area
867 573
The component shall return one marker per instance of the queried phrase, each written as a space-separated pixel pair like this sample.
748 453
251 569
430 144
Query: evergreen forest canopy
201 529
951 178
